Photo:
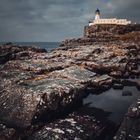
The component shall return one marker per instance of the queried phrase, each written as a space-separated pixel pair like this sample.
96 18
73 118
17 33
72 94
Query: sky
57 20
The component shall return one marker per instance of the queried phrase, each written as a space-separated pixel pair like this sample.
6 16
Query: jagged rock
118 86
73 127
130 127
85 123
108 30
10 52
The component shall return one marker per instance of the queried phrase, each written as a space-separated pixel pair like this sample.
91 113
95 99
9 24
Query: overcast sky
56 20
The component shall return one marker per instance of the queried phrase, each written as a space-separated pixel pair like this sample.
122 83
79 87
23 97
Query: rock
10 52
84 76
138 84
35 98
8 133
84 123
75 126
9 43
118 86
116 74
102 80
130 128
37 86
126 93
77 73
109 32
126 75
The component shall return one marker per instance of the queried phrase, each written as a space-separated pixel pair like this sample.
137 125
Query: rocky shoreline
40 91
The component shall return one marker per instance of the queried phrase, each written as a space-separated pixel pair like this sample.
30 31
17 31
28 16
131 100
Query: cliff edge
106 33
91 31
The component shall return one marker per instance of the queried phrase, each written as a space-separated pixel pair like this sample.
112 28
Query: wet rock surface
37 87
130 128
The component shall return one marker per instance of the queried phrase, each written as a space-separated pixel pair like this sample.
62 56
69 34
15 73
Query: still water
112 101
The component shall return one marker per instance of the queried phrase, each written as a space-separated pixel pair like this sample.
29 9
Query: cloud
56 20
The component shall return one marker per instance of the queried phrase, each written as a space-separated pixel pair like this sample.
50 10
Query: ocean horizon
47 45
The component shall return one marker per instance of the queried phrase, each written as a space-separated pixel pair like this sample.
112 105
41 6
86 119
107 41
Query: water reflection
113 101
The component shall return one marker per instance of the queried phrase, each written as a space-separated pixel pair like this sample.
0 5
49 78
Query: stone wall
112 21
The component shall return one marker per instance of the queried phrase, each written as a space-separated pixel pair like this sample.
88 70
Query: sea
47 45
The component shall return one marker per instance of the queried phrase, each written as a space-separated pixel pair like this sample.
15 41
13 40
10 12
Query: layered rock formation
38 87
114 30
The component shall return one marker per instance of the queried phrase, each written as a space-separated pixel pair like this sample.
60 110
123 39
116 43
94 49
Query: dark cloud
55 20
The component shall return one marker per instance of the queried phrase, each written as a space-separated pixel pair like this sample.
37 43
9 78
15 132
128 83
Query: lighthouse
111 21
97 14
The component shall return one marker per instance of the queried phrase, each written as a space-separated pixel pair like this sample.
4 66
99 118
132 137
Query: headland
41 91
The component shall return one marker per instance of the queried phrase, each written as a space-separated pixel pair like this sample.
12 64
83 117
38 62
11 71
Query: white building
115 21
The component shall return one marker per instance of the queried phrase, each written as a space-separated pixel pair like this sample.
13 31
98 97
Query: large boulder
86 123
32 99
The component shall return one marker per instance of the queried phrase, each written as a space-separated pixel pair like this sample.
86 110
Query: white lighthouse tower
97 14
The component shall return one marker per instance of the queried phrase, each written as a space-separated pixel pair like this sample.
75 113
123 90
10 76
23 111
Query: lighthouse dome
97 11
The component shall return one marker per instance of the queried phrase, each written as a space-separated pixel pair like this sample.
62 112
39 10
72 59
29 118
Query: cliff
91 31
106 33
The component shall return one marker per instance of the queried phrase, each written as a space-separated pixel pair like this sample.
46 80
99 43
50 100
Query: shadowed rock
130 128
13 52
84 124
73 127
8 133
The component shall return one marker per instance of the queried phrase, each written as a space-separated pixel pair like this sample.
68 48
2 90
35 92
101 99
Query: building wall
111 21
